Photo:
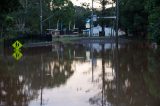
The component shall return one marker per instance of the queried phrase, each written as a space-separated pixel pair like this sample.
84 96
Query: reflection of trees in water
133 66
134 84
137 82
100 99
20 84
151 77
13 90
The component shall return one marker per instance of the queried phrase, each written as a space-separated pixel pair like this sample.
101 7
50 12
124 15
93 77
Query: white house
108 31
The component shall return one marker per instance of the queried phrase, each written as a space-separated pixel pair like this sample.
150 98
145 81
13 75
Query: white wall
108 31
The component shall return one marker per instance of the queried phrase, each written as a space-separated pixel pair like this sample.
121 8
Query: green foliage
7 6
27 18
153 6
9 20
141 16
81 14
133 16
62 13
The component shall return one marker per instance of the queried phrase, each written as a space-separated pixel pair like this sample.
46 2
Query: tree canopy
137 17
26 18
8 5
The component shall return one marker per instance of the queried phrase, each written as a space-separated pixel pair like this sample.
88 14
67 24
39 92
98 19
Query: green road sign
17 45
17 55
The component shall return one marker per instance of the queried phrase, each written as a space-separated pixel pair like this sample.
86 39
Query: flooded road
81 75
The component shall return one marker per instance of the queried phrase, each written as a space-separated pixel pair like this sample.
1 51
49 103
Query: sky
79 2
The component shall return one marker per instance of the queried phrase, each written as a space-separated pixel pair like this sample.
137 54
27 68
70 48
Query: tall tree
153 8
133 17
7 6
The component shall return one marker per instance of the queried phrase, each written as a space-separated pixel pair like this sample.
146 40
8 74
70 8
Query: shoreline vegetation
72 39
66 40
22 17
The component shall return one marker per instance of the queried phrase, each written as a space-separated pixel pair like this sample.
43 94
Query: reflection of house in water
109 72
102 81
88 55
107 46
108 75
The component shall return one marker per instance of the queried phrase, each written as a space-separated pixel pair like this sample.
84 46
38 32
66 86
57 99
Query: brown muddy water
81 75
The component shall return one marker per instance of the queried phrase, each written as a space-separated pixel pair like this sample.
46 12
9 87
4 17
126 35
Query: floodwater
81 75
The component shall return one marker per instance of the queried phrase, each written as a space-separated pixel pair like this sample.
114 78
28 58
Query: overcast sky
79 2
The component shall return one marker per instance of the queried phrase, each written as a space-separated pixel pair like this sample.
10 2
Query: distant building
108 31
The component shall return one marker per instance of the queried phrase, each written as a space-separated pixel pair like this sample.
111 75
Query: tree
7 6
81 14
152 7
26 18
63 13
139 17
133 17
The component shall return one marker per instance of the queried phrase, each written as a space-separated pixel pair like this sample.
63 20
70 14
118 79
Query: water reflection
81 75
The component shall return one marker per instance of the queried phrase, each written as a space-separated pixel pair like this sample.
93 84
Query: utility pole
117 54
112 31
41 75
117 21
41 17
103 74
103 13
92 20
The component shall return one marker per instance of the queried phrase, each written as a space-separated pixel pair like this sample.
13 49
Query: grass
72 39
65 39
